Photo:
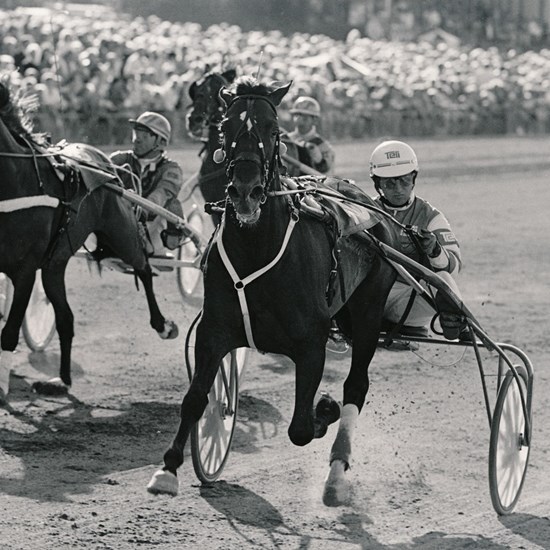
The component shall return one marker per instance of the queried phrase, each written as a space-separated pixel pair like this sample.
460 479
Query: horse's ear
230 75
192 90
225 95
277 95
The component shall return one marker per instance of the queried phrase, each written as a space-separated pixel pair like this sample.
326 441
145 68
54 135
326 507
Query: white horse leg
337 487
163 482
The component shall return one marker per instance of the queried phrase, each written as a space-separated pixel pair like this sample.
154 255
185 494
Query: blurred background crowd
377 67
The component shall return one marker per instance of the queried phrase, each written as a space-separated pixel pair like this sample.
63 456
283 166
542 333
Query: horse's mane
15 112
249 85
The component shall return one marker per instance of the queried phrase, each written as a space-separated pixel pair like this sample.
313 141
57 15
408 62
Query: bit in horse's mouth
249 219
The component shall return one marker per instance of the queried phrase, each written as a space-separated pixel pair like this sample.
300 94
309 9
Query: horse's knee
301 433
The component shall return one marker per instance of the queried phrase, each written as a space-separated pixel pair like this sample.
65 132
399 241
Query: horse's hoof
328 409
55 386
170 331
163 482
337 486
3 398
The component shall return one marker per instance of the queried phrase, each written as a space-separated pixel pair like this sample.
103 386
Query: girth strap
240 284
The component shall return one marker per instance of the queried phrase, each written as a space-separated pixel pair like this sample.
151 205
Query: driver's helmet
154 122
306 105
392 159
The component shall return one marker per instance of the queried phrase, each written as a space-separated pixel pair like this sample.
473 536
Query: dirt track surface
73 470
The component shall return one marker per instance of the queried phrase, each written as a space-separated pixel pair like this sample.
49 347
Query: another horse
202 121
44 221
289 309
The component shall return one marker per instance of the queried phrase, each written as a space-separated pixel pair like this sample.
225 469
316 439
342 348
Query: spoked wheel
189 278
508 450
212 435
39 321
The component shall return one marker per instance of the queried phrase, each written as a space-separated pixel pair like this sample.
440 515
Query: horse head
250 144
207 109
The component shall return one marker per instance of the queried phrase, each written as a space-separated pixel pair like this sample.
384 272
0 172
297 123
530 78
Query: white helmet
391 159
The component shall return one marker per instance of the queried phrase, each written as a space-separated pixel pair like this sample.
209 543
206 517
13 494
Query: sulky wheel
189 278
212 435
508 450
39 322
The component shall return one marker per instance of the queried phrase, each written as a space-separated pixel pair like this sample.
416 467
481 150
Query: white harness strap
240 284
11 205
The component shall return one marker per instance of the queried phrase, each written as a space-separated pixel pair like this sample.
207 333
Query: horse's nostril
232 192
256 193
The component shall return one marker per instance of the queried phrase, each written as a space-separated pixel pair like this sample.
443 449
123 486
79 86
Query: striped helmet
391 159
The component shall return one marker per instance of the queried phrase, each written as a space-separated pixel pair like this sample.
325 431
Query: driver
393 169
313 150
160 178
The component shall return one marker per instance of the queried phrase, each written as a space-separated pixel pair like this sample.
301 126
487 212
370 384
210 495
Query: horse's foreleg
309 371
193 405
166 329
366 310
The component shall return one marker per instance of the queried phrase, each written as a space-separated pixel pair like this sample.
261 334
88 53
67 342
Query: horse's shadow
258 420
60 446
352 526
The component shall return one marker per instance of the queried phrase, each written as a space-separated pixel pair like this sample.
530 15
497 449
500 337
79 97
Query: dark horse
203 122
288 308
44 221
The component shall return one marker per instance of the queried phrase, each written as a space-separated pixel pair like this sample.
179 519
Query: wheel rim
188 277
39 323
511 453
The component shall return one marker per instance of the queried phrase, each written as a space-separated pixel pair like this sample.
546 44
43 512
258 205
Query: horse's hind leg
53 279
123 237
166 329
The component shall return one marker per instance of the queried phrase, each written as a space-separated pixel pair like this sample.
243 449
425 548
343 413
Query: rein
341 197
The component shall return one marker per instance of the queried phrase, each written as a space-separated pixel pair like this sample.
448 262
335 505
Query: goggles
395 182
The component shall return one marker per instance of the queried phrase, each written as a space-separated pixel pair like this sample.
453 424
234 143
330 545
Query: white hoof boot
163 482
337 486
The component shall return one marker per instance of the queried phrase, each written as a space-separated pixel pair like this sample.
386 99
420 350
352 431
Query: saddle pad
350 217
94 166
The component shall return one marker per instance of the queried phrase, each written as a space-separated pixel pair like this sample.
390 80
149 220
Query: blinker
283 148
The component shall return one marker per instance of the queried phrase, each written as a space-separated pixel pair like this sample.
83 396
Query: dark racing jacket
161 181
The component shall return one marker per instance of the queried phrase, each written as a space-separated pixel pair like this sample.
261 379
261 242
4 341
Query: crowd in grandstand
97 71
